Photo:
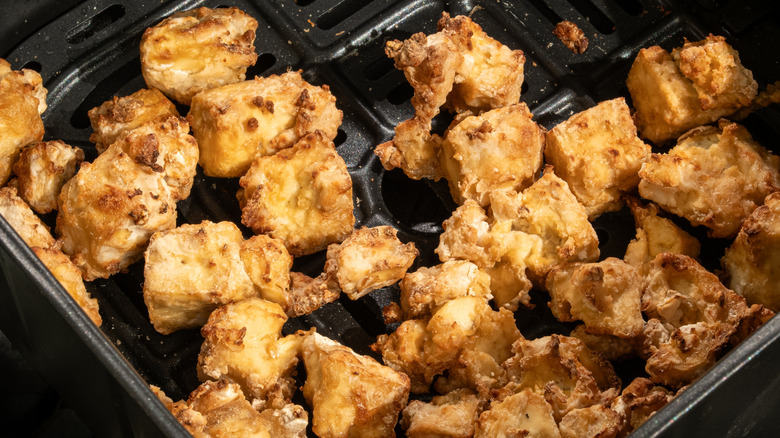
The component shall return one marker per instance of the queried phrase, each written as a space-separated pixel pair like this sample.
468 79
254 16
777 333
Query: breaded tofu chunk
120 115
593 421
190 271
243 342
369 259
350 394
427 289
69 277
497 150
22 101
302 195
196 50
268 265
308 294
413 149
22 219
41 171
753 260
693 86
451 415
611 347
236 123
606 296
468 236
524 414
713 177
638 401
598 154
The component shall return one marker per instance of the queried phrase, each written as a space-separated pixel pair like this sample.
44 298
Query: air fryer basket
89 53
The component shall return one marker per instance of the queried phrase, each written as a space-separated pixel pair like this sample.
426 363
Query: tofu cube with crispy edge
69 277
22 101
350 394
120 115
452 415
196 50
753 260
190 271
694 85
594 421
243 342
496 150
41 171
268 264
302 195
523 414
369 259
236 123
22 219
427 289
714 177
598 154
606 296
638 401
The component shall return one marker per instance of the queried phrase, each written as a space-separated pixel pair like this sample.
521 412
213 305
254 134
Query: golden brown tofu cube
268 264
427 289
236 123
468 236
22 219
22 101
638 401
598 154
413 149
41 171
525 414
451 415
611 347
369 259
593 421
196 50
308 294
350 394
244 343
753 260
302 195
713 177
497 150
69 277
190 271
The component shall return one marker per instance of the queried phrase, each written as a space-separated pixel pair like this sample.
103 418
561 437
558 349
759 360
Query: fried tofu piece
196 50
468 236
606 296
22 101
350 394
524 414
268 265
451 415
69 277
302 195
413 149
593 421
369 259
611 347
427 289
638 401
571 36
116 117
22 219
190 271
243 342
692 86
713 177
752 262
308 294
236 123
497 150
598 154
41 171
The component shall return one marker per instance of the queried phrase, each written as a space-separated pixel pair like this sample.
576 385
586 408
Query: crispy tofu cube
196 50
22 219
497 150
713 177
69 277
236 123
268 265
468 236
594 421
243 343
302 195
523 414
598 154
413 149
638 401
427 289
120 115
369 259
308 294
610 347
190 271
350 394
41 171
452 415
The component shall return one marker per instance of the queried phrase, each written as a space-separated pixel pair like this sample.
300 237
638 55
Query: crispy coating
236 123
695 85
268 265
451 415
597 152
571 36
369 259
468 236
302 195
69 277
243 342
753 260
413 149
427 289
308 294
196 50
611 347
193 421
190 271
713 177
22 219
606 296
524 414
350 394
509 284
638 401
593 421
116 117
497 150
41 171
22 101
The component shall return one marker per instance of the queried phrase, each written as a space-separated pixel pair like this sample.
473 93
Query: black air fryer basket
87 52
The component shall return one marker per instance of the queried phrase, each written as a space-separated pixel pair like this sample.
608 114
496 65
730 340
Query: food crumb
571 36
